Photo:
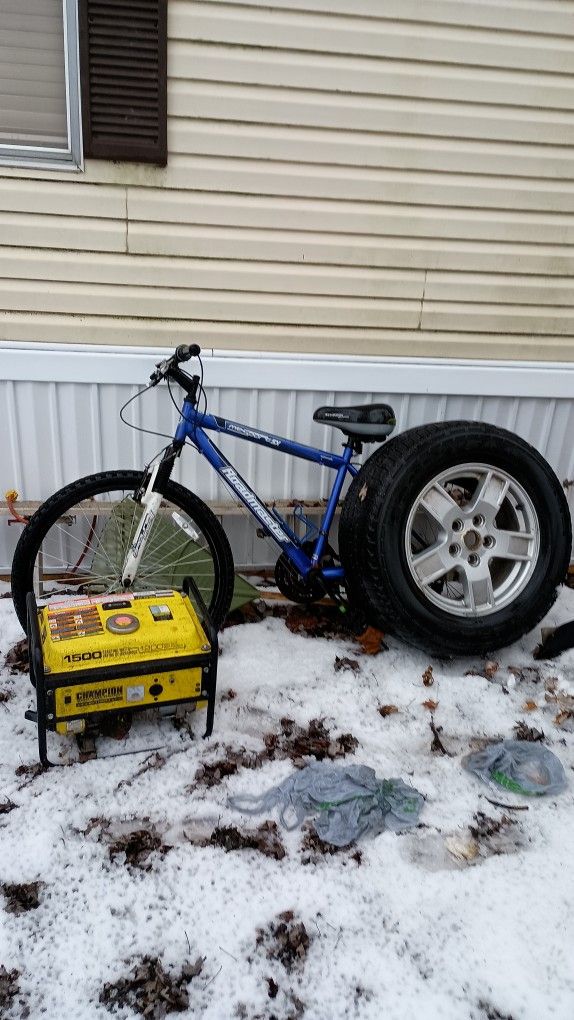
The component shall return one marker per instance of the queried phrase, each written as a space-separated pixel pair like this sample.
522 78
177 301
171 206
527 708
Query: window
39 84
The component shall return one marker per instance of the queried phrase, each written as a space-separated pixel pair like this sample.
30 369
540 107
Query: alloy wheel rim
472 540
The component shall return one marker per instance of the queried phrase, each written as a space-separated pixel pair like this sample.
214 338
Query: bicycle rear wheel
77 542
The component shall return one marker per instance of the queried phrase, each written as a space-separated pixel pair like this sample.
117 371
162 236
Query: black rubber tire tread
46 515
372 536
352 526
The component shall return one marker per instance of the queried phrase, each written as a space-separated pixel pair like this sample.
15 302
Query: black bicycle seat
367 423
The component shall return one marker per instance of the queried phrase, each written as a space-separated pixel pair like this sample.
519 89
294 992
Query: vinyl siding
344 177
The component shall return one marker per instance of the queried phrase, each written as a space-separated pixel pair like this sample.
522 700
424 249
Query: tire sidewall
389 510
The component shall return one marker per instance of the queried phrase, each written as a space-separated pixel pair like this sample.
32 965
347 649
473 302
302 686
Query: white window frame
42 157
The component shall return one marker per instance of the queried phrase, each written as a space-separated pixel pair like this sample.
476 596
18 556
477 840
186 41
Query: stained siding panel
342 176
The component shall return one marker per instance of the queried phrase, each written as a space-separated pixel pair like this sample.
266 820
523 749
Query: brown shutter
123 59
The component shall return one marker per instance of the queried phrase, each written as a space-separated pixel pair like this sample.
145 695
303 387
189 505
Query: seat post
354 444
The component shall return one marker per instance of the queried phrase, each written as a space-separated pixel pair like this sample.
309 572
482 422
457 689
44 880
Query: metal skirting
61 405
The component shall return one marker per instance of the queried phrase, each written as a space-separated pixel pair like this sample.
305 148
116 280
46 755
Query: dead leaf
9 989
524 732
345 663
386 710
463 850
430 704
265 839
17 658
296 742
488 672
428 678
229 695
563 716
150 990
285 940
21 897
371 641
137 847
317 621
529 706
363 492
437 745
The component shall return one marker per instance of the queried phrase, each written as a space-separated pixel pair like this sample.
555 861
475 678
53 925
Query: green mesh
169 557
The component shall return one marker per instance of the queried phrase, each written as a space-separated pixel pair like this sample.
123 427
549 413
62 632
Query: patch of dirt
7 806
485 827
6 696
292 741
150 990
9 989
318 621
229 695
313 847
251 612
488 1012
488 671
138 846
21 897
297 742
265 839
524 732
285 940
290 1008
33 770
531 673
17 658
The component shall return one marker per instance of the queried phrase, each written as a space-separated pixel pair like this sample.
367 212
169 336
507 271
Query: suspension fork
150 498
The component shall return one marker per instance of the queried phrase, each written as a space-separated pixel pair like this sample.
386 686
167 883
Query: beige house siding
344 176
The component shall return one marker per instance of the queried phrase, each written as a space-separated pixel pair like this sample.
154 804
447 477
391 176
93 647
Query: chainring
292 585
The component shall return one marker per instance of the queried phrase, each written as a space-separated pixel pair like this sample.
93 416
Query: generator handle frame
192 591
38 678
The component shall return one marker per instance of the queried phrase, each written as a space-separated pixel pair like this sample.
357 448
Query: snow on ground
410 932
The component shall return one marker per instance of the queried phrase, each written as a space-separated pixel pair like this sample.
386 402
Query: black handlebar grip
184 352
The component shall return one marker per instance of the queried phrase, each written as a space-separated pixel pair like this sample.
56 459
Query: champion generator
91 657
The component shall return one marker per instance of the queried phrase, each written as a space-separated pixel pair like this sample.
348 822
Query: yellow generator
94 656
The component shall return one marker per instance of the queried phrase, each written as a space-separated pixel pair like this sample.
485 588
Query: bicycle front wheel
77 542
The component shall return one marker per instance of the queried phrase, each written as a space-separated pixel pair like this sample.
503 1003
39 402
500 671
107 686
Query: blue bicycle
454 536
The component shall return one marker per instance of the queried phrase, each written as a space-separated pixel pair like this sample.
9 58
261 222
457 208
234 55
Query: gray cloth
519 766
345 801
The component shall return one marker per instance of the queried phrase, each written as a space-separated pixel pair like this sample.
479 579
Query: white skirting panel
61 405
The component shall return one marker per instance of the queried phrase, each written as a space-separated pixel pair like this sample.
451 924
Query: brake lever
162 368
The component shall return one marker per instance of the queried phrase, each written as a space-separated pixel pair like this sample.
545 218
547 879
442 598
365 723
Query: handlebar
169 366
186 351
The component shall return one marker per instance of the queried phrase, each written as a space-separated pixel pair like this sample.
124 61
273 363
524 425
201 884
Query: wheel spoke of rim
477 588
513 545
433 563
490 494
439 504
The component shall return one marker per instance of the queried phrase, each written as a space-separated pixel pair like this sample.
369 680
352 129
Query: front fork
150 499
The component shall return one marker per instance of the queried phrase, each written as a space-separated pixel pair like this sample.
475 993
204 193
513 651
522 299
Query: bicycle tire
374 546
66 500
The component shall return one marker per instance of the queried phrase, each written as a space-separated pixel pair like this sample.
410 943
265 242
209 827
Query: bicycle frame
192 426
